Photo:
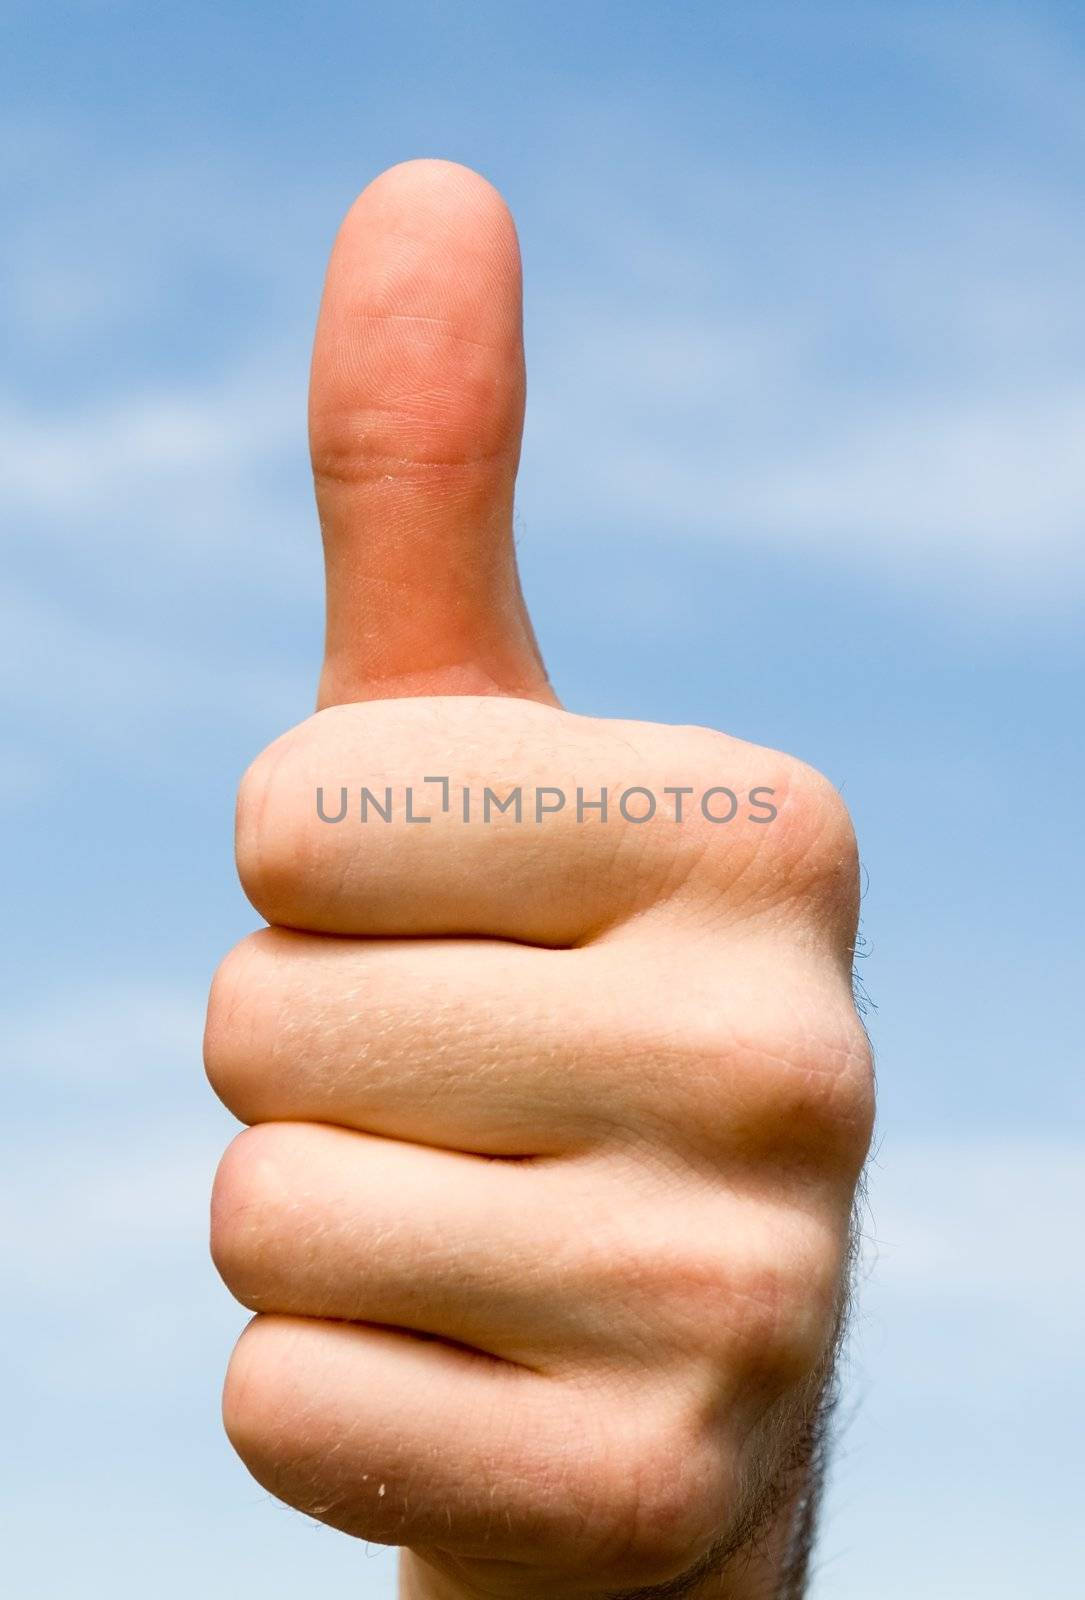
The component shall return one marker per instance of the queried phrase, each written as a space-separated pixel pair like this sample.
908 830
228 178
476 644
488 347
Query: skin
554 1130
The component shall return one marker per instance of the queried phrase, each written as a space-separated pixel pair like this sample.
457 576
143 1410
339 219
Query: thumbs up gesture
556 1093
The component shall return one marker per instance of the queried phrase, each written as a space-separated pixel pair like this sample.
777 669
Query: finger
552 1265
296 1385
417 1443
416 411
494 1048
318 1221
555 872
434 1041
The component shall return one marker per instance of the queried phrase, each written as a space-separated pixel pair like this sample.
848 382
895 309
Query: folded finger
322 1222
494 817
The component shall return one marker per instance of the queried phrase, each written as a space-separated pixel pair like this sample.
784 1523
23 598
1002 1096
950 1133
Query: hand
555 1122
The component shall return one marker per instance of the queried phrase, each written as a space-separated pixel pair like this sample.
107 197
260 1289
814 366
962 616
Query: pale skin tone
555 1130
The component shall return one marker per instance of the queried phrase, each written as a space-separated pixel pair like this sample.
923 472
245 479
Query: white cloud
175 475
966 479
66 464
955 1468
108 1180
880 370
975 490
993 1220
972 1296
108 1036
98 677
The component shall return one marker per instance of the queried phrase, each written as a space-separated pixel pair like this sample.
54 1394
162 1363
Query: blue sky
806 337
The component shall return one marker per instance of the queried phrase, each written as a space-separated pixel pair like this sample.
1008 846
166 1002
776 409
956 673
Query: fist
556 1092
